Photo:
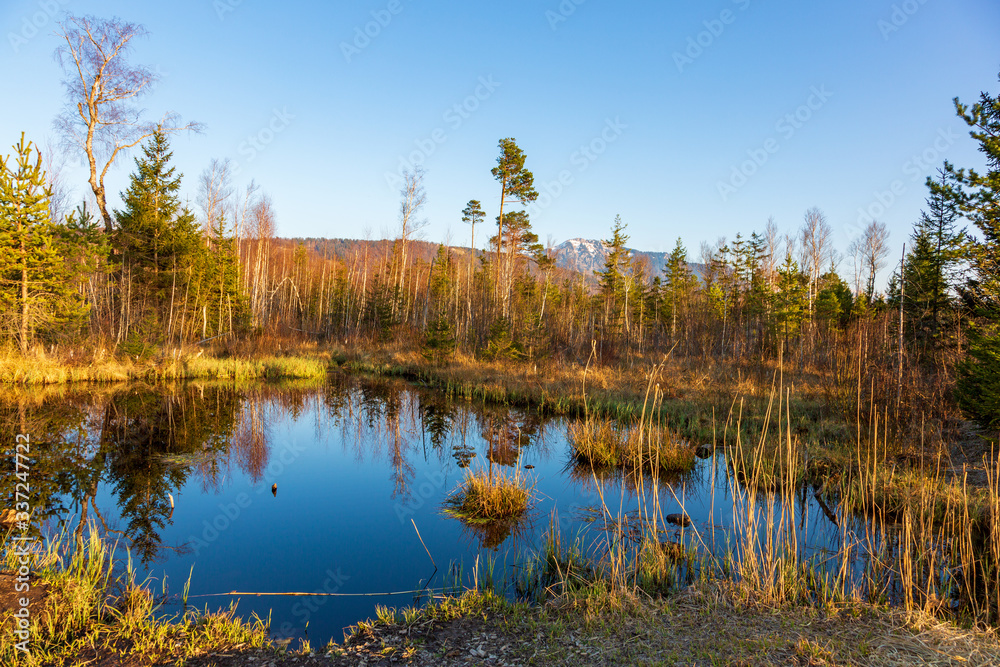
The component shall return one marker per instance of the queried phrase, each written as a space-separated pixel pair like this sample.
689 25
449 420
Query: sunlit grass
91 611
38 369
603 444
485 498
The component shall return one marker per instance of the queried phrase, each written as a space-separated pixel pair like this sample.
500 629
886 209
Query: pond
338 488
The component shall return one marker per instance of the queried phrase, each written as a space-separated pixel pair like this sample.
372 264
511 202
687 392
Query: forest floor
705 624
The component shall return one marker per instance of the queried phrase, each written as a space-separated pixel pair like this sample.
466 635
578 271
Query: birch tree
102 117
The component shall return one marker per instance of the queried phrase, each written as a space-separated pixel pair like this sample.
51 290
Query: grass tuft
485 498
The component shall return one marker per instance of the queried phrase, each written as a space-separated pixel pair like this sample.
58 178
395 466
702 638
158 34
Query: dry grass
89 615
38 369
486 498
703 625
603 443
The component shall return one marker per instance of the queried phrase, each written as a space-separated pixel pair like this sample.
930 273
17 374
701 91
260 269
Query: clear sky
689 118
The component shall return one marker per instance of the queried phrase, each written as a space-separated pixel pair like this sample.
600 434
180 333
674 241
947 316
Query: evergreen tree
612 279
159 250
678 286
835 301
791 302
979 200
33 277
517 184
937 250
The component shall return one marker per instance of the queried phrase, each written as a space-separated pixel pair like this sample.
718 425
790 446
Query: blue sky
643 109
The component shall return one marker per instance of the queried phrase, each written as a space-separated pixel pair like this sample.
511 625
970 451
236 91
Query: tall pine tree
158 248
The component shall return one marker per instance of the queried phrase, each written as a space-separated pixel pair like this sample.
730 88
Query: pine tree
792 300
159 249
835 301
931 270
517 184
33 277
678 286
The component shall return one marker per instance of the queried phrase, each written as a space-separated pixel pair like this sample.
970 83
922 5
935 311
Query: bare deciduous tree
816 236
101 117
412 199
772 244
215 188
870 251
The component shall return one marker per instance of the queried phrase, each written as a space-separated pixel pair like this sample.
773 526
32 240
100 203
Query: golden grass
90 614
603 443
485 498
37 369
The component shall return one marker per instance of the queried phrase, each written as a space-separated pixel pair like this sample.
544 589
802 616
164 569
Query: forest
159 277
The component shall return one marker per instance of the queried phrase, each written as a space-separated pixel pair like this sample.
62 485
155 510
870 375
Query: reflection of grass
486 498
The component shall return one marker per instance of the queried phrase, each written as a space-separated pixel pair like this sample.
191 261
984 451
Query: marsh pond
340 488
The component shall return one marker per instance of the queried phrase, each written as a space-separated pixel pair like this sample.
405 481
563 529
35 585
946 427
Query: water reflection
142 444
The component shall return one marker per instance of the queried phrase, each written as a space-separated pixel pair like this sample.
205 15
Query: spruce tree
978 199
791 303
678 286
159 248
931 271
612 279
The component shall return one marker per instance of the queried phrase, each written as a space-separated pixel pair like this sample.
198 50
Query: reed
919 541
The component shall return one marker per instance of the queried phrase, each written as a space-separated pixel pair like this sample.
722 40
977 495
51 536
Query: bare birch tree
871 250
412 199
816 236
215 188
101 117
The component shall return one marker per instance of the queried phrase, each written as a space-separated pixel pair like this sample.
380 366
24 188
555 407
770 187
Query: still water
327 488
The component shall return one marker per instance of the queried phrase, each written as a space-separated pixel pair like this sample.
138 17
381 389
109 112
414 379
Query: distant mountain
588 255
580 255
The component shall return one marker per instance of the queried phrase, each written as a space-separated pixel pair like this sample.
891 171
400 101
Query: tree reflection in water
144 443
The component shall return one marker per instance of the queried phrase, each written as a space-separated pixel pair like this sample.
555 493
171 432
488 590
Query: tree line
157 275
